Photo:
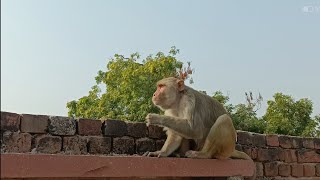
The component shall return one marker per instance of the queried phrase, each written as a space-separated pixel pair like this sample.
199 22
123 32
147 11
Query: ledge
62 166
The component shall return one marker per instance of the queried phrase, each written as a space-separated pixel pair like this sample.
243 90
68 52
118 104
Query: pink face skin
156 96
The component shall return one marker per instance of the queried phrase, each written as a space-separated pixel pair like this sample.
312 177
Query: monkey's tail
241 155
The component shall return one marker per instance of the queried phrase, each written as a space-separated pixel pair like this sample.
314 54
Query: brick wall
275 156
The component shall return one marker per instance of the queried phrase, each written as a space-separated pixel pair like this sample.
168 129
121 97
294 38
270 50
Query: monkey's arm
172 143
180 125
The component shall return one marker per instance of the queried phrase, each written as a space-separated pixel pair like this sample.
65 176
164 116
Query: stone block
14 142
59 125
34 123
89 127
145 144
75 145
116 128
137 129
48 144
99 145
123 145
10 121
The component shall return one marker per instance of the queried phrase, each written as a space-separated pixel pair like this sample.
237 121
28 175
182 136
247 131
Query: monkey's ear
180 85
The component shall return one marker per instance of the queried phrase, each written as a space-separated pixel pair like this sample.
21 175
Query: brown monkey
189 114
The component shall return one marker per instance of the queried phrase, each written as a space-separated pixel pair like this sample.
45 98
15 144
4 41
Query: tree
243 115
286 116
128 87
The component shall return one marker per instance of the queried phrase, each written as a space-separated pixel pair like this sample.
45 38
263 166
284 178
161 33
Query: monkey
192 115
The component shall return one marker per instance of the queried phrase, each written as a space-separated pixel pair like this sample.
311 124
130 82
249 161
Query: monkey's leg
172 143
220 142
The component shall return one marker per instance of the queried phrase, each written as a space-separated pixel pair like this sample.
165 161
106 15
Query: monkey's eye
161 86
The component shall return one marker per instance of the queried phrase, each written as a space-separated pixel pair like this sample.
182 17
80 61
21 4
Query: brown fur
189 114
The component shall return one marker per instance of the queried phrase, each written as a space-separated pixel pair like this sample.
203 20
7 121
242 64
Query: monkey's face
165 95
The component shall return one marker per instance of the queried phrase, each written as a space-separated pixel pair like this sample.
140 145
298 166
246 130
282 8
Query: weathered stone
137 130
34 123
259 140
317 169
308 156
156 132
272 140
259 169
284 170
288 155
89 127
271 169
10 121
62 126
297 170
271 154
145 144
309 170
316 143
308 143
116 128
48 144
14 142
99 145
123 145
297 142
159 144
285 142
239 147
244 138
75 145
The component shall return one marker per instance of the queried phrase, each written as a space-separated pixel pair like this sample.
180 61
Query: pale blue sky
51 50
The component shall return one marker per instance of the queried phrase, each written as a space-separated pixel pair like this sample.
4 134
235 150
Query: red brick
308 143
318 170
272 140
271 154
137 129
288 155
309 170
34 123
297 170
244 138
48 144
59 125
308 156
145 144
123 145
15 142
271 169
115 128
89 127
10 121
259 140
284 170
259 169
156 132
75 145
99 145
159 144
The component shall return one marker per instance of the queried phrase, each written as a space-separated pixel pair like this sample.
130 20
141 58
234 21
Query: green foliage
243 116
129 86
286 116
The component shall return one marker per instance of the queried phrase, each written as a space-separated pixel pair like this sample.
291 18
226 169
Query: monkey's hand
153 119
155 154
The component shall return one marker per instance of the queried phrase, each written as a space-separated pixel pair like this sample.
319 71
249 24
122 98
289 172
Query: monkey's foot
155 154
197 154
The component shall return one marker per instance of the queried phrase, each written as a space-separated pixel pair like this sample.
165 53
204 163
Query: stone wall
275 156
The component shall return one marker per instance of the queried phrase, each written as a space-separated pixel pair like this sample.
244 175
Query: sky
51 50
